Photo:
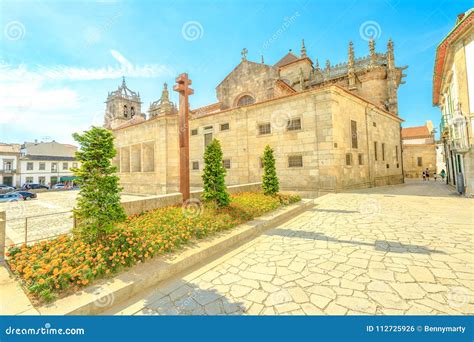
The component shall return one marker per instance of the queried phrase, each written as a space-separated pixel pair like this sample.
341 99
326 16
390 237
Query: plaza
390 250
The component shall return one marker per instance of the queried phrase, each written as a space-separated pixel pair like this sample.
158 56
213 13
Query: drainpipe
367 141
401 153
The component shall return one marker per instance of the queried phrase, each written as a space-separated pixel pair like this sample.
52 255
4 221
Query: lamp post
182 87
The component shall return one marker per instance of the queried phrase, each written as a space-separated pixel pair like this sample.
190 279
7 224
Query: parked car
34 186
26 194
6 187
10 197
58 186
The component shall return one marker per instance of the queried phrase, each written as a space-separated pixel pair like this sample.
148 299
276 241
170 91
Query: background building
9 157
46 163
453 93
419 150
332 128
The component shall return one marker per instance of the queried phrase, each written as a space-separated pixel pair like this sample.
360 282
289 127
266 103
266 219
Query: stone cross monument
182 87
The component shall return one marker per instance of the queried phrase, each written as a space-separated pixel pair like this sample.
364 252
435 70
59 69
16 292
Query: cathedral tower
121 106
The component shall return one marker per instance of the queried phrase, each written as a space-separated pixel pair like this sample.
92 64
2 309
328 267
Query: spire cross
244 54
182 87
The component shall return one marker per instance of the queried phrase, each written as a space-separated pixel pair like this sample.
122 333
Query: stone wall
137 206
321 144
411 153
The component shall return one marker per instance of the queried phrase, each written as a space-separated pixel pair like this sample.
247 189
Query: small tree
98 204
270 182
214 175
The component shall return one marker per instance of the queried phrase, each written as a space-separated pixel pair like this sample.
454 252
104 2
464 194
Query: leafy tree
98 204
270 183
214 176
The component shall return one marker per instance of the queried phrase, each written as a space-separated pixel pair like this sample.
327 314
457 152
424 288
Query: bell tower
121 106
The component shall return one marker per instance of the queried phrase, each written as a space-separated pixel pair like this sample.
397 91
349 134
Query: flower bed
53 268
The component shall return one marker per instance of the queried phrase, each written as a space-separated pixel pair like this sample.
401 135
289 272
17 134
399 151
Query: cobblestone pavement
55 204
372 251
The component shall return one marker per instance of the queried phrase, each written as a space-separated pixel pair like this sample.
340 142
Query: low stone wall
140 205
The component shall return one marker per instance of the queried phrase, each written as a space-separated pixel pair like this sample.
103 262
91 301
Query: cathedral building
333 128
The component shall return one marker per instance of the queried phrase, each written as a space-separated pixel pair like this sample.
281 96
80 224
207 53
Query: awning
67 178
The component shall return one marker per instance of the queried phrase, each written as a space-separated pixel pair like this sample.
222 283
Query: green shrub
214 176
270 184
98 205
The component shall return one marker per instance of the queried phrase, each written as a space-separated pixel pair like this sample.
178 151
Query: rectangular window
375 150
42 166
374 124
383 151
295 161
194 132
348 159
225 127
65 166
207 127
361 159
354 133
29 179
264 129
294 125
226 163
195 165
54 167
207 139
419 161
29 166
396 153
42 180
75 164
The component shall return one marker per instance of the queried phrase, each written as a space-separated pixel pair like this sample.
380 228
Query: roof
415 132
287 59
462 23
9 148
54 158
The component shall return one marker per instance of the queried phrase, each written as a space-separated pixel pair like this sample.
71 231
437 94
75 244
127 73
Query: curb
97 298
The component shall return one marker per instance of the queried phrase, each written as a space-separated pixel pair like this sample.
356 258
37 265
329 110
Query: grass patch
54 268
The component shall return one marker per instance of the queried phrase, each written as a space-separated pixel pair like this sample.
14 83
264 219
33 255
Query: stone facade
326 135
453 93
419 150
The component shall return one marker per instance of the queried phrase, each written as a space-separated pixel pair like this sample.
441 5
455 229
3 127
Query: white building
47 163
9 157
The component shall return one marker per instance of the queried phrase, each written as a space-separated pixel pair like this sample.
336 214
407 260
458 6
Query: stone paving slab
379 252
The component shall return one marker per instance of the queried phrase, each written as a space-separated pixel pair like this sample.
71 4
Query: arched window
125 111
245 100
132 112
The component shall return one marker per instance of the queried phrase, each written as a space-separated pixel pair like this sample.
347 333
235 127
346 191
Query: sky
59 59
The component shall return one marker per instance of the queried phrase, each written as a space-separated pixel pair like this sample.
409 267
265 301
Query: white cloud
68 73
35 101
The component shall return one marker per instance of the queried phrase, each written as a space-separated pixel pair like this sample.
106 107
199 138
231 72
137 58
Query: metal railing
28 225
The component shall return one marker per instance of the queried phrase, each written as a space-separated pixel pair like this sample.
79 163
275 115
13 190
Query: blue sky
58 59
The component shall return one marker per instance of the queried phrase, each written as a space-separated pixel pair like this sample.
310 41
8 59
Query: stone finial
390 46
124 85
328 65
244 54
372 47
165 95
263 61
303 49
317 64
390 54
351 54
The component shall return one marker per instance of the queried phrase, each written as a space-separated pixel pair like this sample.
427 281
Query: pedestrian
443 174
424 175
435 176
427 174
